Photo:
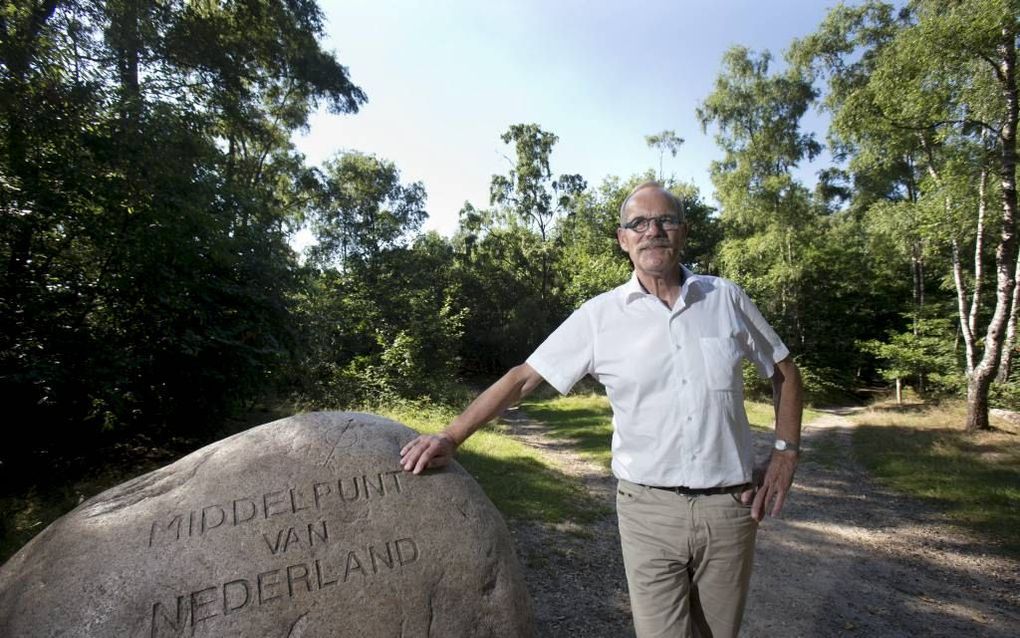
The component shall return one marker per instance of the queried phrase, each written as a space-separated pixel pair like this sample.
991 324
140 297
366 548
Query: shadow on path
574 572
849 558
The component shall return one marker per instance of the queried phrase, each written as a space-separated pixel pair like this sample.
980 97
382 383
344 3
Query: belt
703 491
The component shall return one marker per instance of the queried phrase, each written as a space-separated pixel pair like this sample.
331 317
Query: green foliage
820 386
768 220
528 191
380 316
1006 395
364 344
511 285
591 261
363 209
803 263
924 355
148 186
921 100
755 388
706 231
666 141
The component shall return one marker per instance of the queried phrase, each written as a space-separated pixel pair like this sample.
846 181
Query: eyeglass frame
666 222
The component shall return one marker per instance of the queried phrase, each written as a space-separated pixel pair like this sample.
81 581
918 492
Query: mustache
659 242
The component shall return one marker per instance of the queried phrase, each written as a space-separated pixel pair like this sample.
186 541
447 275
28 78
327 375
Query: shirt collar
634 290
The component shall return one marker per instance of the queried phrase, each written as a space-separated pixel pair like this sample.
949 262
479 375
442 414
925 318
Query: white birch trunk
961 306
1006 364
980 381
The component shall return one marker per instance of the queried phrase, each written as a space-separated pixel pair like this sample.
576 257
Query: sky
446 78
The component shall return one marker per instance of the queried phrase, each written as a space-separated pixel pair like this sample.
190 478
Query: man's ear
620 234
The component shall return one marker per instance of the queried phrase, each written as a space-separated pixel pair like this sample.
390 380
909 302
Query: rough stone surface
301 527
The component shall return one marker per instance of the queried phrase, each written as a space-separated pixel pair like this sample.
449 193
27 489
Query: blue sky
445 79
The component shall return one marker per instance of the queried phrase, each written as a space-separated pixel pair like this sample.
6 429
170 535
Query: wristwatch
785 446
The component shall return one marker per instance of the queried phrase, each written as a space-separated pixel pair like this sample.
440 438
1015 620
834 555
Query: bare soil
847 558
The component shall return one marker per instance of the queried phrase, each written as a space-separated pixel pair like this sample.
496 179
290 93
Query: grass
973 478
762 415
585 420
518 480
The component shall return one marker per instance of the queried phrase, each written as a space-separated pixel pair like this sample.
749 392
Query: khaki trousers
688 561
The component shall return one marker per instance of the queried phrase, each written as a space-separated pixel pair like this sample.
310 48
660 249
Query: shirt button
684 381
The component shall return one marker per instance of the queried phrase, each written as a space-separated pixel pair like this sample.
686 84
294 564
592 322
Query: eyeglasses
666 222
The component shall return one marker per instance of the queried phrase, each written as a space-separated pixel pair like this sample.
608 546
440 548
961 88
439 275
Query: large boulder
302 527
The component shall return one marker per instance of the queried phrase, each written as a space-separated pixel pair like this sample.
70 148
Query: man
667 346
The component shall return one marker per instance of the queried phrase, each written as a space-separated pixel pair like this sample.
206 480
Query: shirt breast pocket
721 356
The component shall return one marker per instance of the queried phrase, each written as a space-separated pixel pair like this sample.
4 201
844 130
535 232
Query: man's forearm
431 451
511 388
788 399
788 396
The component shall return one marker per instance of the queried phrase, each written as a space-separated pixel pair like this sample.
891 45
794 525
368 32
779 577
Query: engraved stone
305 526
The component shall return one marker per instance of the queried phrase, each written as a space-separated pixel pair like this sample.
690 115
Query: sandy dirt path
848 558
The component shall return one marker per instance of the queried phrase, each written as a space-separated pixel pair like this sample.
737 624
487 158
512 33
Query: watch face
780 445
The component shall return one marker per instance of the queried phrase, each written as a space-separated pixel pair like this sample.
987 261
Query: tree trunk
979 250
961 304
968 320
1006 361
917 273
977 402
125 38
980 381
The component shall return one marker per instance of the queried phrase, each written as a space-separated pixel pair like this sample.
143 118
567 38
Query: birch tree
938 80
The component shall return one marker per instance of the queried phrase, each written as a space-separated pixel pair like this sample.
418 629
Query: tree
386 327
665 141
380 317
507 254
363 210
767 216
148 186
924 354
530 197
941 77
591 261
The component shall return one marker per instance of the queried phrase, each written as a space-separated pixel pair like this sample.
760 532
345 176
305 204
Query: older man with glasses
668 347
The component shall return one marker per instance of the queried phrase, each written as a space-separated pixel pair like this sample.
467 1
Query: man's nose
655 228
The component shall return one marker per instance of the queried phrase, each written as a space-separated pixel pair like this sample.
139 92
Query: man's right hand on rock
427 451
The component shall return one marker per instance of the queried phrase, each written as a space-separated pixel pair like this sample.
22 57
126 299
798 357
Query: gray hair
675 203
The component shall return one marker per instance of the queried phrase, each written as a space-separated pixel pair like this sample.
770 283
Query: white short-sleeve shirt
673 377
